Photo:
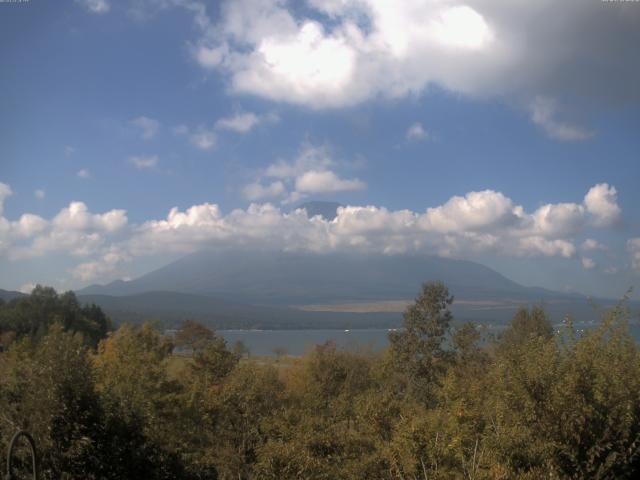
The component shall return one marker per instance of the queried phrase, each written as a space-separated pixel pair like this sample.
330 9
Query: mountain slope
327 210
7 295
171 308
297 279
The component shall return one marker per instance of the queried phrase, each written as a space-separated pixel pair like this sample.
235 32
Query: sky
133 132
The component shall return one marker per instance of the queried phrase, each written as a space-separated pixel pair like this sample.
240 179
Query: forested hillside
534 403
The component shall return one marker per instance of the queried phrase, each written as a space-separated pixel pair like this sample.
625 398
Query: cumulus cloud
478 222
475 223
477 210
74 230
417 132
105 266
602 203
83 173
142 162
148 126
544 114
311 172
337 53
77 217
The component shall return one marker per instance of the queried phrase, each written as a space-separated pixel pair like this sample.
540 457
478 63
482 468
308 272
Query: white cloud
83 173
95 6
257 191
477 226
311 172
475 223
601 201
77 217
476 210
27 288
588 263
211 57
633 247
28 225
144 161
203 139
311 157
326 181
591 245
39 194
147 126
560 219
340 53
241 122
74 231
479 222
105 266
416 132
543 114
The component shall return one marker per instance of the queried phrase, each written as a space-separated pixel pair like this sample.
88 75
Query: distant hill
269 290
327 210
299 279
7 295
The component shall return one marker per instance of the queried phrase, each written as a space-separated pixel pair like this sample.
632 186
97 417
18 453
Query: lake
297 342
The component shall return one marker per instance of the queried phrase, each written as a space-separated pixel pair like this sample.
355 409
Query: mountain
299 279
269 290
327 210
171 308
7 295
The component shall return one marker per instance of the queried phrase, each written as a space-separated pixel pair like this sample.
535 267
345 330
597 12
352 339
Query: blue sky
478 130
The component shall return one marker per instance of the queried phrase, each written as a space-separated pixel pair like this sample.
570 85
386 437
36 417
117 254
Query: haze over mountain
289 278
295 290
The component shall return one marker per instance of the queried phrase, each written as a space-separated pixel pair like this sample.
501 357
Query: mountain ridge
289 278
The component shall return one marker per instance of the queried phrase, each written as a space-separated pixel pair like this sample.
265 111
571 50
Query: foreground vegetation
437 404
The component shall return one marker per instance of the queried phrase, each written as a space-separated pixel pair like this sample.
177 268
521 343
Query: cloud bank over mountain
478 222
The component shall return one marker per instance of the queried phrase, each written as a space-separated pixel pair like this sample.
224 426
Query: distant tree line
438 403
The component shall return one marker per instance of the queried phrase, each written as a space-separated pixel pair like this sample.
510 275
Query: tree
193 336
241 349
527 324
418 349
34 314
47 389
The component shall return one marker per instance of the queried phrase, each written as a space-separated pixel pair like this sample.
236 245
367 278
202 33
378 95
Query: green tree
34 314
47 389
418 350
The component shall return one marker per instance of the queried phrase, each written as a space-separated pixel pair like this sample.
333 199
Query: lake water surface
297 342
